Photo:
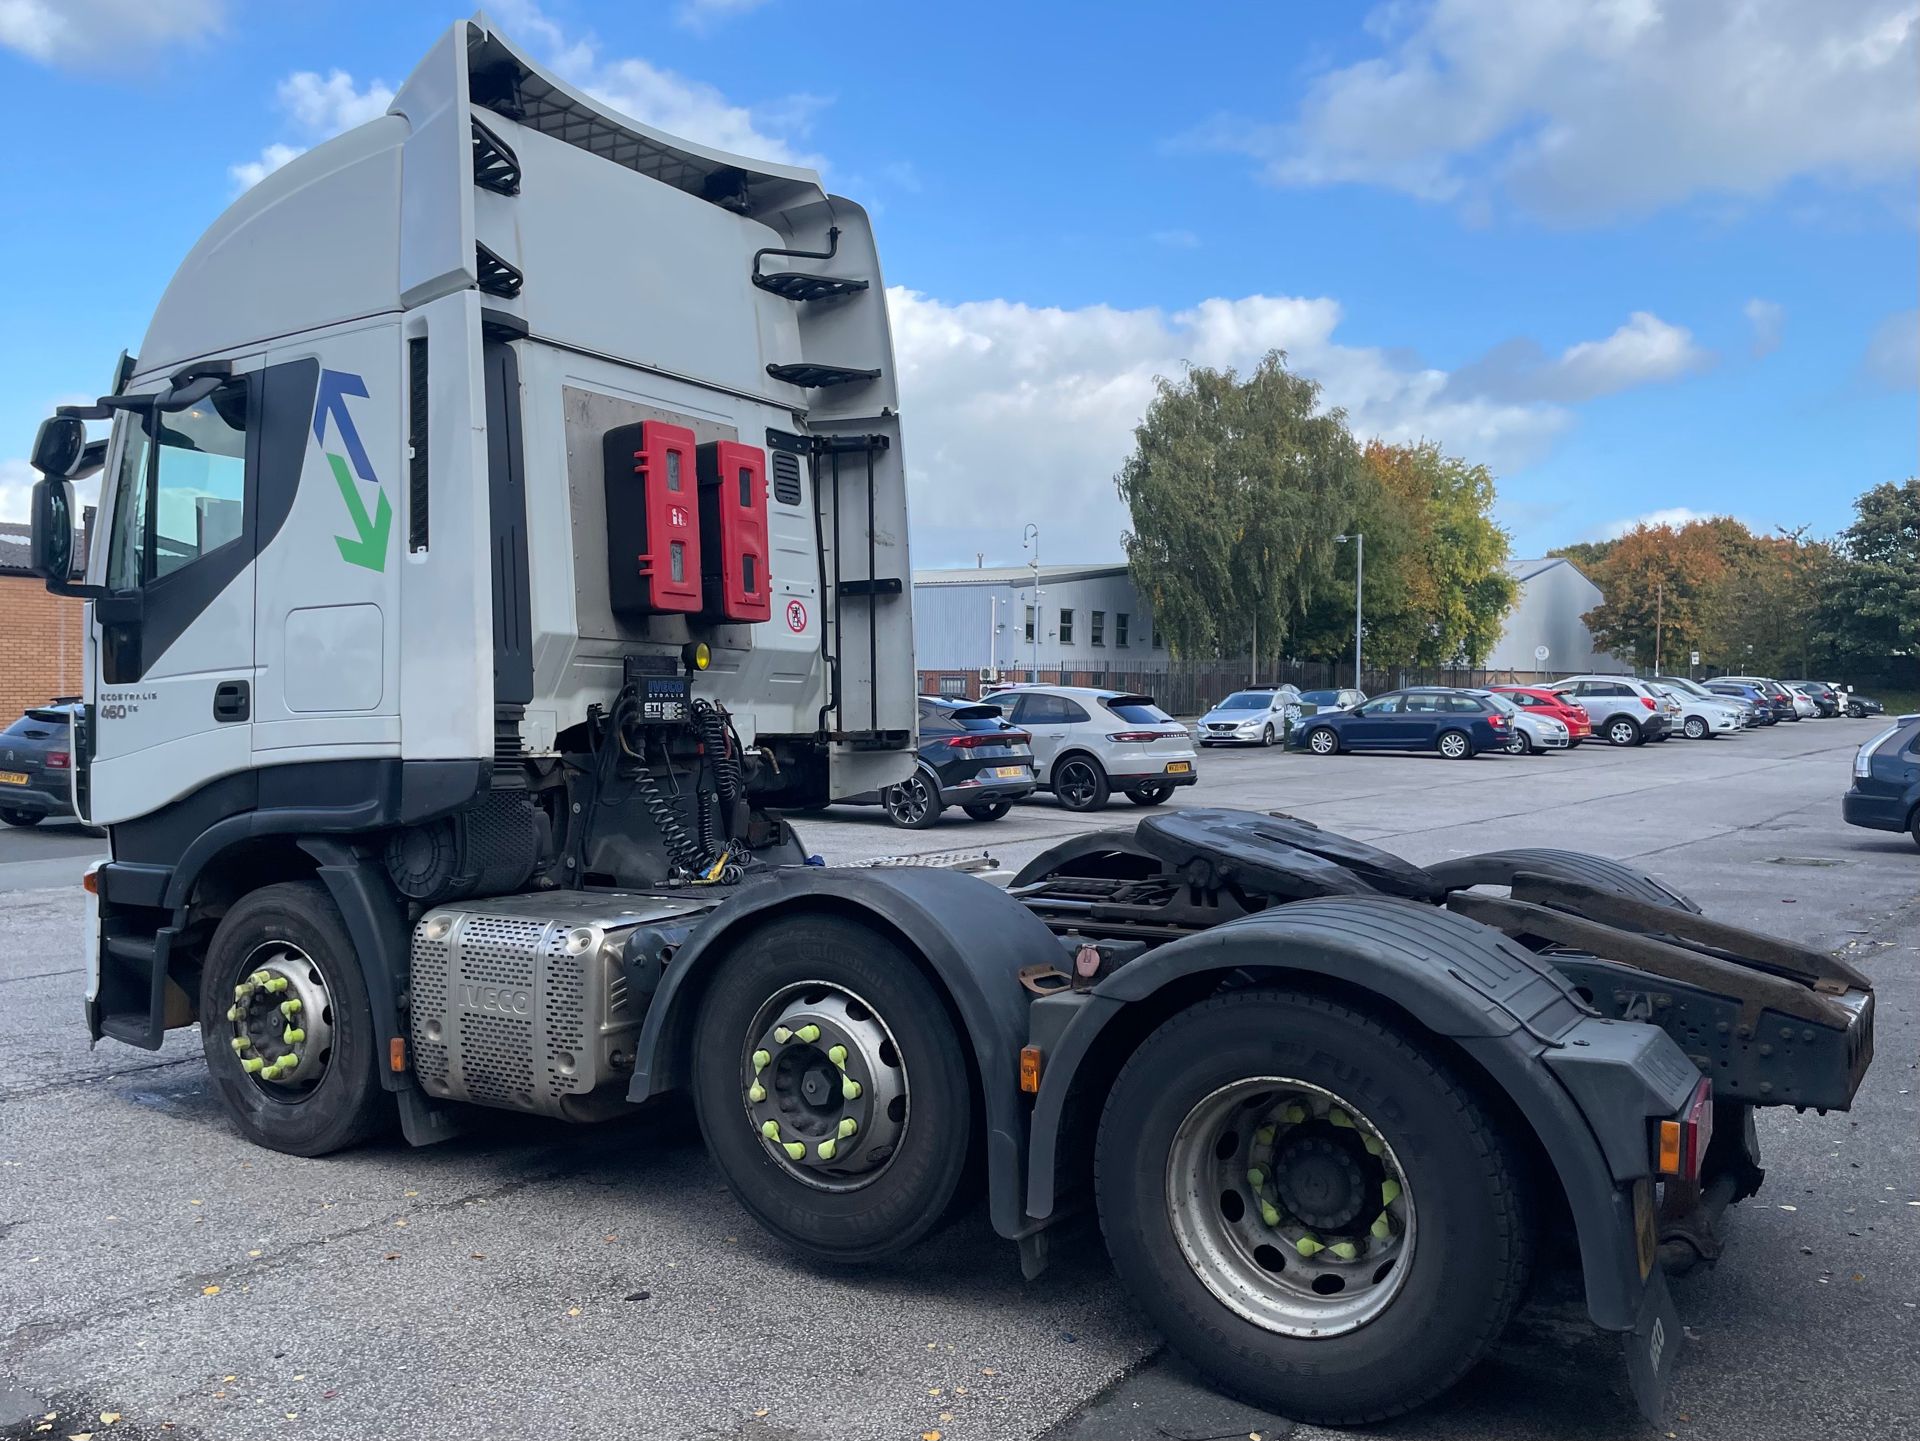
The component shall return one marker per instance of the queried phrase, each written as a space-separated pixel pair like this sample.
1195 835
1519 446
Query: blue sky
1642 257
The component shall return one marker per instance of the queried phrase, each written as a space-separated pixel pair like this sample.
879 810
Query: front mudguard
974 940
1585 1086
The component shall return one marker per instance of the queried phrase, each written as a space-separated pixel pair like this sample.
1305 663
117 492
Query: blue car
1458 724
1885 795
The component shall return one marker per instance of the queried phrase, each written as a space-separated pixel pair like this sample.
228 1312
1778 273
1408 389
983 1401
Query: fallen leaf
573 1310
229 1378
254 1254
209 1290
196 1203
988 1371
107 1418
1253 1436
391 1256
410 1193
761 1412
293 1415
935 1391
929 1436
477 1256
946 1415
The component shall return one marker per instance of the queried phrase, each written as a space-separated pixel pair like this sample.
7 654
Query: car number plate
1179 768
13 778
1009 773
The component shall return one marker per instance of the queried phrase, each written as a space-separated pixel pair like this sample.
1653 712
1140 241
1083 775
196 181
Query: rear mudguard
974 939
1585 1086
1498 868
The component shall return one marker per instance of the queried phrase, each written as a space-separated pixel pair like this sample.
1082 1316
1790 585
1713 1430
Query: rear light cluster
1497 721
1647 701
974 739
1680 1145
1146 735
58 760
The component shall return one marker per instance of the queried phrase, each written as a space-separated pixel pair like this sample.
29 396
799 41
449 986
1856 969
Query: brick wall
40 642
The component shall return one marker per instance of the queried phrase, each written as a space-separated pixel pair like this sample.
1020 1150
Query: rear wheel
914 804
989 810
1322 741
286 1026
1080 784
21 818
1621 731
1309 1204
832 1090
1454 745
1150 795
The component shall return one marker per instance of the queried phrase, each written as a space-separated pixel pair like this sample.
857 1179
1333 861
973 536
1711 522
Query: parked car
1088 743
1458 724
1249 718
36 766
1701 717
1787 704
1825 697
1529 731
970 756
1859 706
1326 700
1538 700
1885 794
1747 713
1768 710
1622 711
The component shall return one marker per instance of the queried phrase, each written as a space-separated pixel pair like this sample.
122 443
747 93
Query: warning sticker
796 616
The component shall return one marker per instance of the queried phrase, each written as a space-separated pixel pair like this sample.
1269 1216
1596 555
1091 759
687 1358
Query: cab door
173 679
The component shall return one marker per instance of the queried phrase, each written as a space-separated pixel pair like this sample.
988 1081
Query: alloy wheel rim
1077 783
1289 1205
1323 742
909 801
1452 745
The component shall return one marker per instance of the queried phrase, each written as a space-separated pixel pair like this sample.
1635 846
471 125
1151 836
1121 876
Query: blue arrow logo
335 387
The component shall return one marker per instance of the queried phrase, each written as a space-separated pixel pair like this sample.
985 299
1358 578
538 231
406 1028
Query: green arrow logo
368 546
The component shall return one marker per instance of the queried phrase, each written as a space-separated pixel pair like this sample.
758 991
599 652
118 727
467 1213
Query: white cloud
1893 354
690 109
1672 515
1766 318
319 108
1645 351
1023 413
1176 239
1577 110
699 14
112 32
16 487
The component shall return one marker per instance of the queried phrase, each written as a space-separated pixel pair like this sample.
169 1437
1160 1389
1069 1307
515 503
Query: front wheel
1454 745
914 804
832 1090
1519 744
1310 1206
989 810
1266 736
1622 732
1696 728
286 1026
21 818
1322 741
1150 795
1080 784
1854 712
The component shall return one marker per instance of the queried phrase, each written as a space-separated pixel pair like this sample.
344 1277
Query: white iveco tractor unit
504 522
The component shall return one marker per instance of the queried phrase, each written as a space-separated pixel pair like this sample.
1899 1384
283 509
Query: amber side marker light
1030 1069
1680 1145
90 883
397 1053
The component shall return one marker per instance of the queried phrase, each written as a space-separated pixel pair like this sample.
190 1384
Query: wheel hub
280 1025
1317 1181
824 1086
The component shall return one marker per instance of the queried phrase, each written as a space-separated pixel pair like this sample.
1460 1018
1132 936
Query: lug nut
761 1059
1389 1191
756 1093
253 1065
794 1150
1345 1250
781 1035
1270 1213
849 1088
293 1035
770 1129
826 1150
808 1033
838 1055
291 1008
239 1044
1308 1246
848 1126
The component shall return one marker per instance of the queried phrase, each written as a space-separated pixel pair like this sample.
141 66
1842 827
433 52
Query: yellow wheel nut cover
808 1033
848 1126
770 1129
794 1150
1308 1246
850 1089
1269 1213
240 1043
1389 1191
826 1150
756 1093
760 1060
1345 1250
781 1035
838 1055
253 1065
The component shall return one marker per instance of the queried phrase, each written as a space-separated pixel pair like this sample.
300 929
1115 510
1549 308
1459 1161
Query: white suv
1090 743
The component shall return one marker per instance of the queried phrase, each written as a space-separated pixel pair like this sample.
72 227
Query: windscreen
1247 700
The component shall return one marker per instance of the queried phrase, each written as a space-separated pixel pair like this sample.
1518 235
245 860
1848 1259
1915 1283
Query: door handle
231 701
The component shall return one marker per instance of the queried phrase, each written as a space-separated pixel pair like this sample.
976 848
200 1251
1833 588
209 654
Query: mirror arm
192 393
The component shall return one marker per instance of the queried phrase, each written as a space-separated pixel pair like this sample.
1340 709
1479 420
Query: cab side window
181 488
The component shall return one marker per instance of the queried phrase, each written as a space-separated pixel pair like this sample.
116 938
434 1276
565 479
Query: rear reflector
1681 1145
1030 1070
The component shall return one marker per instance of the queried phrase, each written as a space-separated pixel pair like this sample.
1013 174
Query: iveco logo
502 1000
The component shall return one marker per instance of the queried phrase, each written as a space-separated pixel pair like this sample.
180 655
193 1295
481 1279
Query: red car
1546 703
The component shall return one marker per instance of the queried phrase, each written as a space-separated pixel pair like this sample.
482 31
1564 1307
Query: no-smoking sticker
796 616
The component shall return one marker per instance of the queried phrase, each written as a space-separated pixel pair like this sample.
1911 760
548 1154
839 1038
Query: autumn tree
1236 488
1660 585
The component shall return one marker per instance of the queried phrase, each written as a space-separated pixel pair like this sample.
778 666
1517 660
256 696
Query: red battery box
733 526
653 519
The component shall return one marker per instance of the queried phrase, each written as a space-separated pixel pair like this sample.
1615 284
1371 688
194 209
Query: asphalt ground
542 1281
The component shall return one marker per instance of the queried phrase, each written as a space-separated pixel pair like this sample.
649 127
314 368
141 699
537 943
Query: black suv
969 757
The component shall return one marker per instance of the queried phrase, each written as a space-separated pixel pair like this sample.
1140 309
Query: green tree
1236 488
1869 616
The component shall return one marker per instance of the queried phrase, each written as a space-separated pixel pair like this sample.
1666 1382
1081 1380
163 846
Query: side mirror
51 548
59 446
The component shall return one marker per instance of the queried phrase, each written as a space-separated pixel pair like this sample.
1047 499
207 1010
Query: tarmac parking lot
541 1281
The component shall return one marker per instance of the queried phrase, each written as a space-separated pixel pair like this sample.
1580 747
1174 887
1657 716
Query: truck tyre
1621 731
803 1010
286 1026
1080 783
914 804
1310 1205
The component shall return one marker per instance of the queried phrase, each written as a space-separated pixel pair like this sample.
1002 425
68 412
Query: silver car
1256 717
1704 715
1624 711
1089 743
1530 733
1318 702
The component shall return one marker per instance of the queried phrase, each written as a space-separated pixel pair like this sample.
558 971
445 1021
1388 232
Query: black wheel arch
1462 986
969 937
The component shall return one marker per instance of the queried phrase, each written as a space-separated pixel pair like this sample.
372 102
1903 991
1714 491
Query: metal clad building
1085 618
1546 612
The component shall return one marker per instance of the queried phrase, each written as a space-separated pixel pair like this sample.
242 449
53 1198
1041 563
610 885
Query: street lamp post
1030 540
1359 579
